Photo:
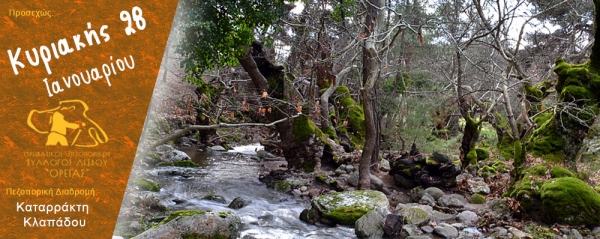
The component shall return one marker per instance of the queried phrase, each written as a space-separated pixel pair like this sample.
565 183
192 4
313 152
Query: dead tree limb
182 132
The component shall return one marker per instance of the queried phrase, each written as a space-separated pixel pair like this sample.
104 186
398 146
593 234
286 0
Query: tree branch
181 132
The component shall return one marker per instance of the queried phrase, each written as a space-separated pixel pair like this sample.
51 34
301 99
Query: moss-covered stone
284 186
152 158
288 184
488 169
571 201
215 198
527 193
547 143
430 161
560 172
477 199
415 215
147 185
501 167
537 170
196 224
482 154
179 214
347 207
471 160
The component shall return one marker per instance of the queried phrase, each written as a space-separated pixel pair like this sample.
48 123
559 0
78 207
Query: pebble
427 229
501 230
303 188
349 168
446 230
517 233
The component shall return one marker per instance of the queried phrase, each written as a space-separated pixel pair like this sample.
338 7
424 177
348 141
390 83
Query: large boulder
570 201
196 224
436 170
417 215
347 207
371 224
170 154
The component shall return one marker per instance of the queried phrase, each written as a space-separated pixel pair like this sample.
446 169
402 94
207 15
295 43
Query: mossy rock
147 185
477 199
570 201
152 158
560 172
288 184
415 215
488 169
215 198
196 224
501 167
547 143
430 161
527 193
482 154
347 207
537 170
472 157
179 214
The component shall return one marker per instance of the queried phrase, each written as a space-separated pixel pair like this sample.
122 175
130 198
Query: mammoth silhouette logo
64 125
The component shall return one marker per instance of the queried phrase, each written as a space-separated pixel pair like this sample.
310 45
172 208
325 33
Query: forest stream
233 174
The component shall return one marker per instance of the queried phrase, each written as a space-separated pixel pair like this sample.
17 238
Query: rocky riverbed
248 193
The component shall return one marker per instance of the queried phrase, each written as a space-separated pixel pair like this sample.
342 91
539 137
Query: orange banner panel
76 81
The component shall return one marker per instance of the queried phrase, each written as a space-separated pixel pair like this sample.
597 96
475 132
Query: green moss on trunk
352 113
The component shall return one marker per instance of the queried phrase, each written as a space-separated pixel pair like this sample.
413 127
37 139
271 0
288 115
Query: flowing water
233 174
